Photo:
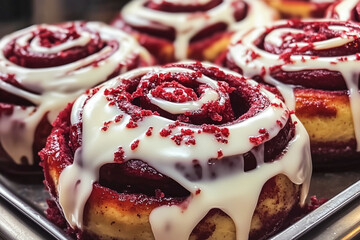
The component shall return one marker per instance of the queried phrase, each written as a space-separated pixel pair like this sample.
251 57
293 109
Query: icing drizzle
163 154
187 25
342 10
54 87
244 48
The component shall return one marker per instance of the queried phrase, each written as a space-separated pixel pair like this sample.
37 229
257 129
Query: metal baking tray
22 211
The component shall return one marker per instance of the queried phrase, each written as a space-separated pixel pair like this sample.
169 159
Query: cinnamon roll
177 30
344 10
315 65
300 8
184 151
44 67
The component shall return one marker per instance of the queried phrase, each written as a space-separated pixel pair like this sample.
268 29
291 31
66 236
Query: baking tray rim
294 231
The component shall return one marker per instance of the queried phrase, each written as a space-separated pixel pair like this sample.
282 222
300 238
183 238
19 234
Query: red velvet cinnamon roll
301 8
176 152
44 67
315 65
344 10
177 30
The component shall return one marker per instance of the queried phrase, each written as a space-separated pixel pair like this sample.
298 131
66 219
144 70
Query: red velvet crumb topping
25 57
257 140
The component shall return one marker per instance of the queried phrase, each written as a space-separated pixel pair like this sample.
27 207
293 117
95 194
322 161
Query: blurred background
17 14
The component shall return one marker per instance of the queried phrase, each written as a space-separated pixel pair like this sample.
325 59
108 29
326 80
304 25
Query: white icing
57 85
187 25
177 108
84 38
183 2
343 9
331 43
277 38
75 183
322 1
240 52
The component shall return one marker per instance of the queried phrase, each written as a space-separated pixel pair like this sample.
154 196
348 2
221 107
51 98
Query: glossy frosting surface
301 51
344 10
188 23
165 144
50 88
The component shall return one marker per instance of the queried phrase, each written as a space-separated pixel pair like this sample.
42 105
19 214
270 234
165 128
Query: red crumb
132 124
106 126
177 138
286 57
165 132
189 139
49 39
180 93
220 154
315 203
277 105
263 71
342 59
275 68
254 55
187 131
175 124
149 131
257 140
220 133
118 118
135 144
119 155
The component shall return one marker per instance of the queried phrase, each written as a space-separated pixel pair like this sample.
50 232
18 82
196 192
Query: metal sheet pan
29 203
22 209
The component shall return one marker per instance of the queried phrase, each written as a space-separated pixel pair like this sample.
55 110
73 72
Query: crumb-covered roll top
44 67
189 26
301 8
200 129
344 10
321 55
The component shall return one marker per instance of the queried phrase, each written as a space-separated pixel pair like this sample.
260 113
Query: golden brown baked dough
106 192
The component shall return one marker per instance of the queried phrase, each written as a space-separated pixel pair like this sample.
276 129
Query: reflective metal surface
337 217
29 203
22 209
13 225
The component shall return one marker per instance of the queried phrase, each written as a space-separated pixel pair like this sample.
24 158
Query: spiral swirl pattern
185 22
47 66
301 8
320 55
344 10
176 116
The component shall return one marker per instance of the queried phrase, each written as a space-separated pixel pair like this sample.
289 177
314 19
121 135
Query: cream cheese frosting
243 48
187 25
54 87
98 148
